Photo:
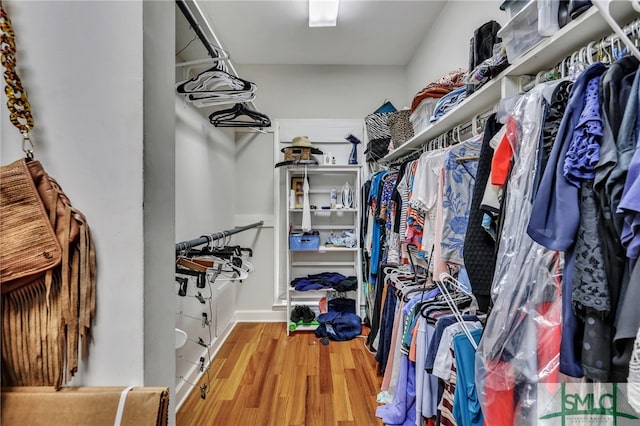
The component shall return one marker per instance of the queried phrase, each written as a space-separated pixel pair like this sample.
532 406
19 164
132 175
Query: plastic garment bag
306 205
521 343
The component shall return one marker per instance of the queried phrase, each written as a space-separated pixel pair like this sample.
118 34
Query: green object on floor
294 325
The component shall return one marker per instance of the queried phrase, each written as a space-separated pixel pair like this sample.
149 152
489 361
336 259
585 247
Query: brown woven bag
47 259
29 245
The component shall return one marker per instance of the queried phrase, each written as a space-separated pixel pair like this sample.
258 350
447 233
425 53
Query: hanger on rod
443 283
604 9
185 246
239 116
214 86
218 62
606 50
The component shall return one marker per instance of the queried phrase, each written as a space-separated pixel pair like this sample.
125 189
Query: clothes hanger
448 279
190 264
213 99
219 268
399 278
233 117
604 8
421 288
216 87
591 52
210 81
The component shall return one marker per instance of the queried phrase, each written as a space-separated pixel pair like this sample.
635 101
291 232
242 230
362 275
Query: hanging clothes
377 236
479 245
616 89
508 367
425 196
306 205
460 166
555 218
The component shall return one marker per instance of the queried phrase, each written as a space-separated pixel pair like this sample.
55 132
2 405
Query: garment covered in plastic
521 343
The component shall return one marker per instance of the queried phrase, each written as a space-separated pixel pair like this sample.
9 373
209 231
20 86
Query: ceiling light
323 13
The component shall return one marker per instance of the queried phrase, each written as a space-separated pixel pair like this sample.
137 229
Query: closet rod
186 245
446 137
189 15
585 53
196 28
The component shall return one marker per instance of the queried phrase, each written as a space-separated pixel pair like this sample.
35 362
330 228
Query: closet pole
196 28
186 245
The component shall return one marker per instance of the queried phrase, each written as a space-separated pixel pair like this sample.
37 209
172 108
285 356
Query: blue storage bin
304 242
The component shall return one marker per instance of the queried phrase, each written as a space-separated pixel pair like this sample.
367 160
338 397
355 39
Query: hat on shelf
302 142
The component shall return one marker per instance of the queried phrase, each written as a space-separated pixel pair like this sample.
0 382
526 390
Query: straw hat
303 142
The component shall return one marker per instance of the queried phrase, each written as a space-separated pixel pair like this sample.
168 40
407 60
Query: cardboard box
83 406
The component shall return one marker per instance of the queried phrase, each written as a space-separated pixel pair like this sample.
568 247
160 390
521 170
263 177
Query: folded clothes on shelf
325 280
447 102
345 239
440 87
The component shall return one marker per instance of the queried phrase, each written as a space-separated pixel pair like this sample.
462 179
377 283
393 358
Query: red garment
430 91
549 334
499 394
501 162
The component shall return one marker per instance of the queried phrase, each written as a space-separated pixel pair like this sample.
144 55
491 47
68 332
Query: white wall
82 65
204 204
294 91
254 180
159 195
325 91
86 93
446 46
205 171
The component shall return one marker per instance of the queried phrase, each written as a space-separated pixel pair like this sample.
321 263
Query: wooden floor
262 377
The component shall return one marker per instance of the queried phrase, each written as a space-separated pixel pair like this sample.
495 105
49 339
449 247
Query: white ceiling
369 32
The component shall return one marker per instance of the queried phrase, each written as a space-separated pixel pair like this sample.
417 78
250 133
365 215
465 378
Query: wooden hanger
191 264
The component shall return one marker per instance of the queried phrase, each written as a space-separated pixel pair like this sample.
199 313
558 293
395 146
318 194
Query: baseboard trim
260 316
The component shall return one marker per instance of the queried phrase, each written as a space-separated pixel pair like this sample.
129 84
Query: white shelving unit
590 26
324 220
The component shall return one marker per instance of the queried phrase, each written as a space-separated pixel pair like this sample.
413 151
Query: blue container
304 242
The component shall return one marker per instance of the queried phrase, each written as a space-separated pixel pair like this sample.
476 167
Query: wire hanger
445 278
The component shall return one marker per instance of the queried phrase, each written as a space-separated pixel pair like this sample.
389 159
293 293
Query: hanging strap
17 102
121 402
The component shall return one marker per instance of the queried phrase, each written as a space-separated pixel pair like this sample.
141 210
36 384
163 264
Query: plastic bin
512 7
520 34
548 17
419 118
304 242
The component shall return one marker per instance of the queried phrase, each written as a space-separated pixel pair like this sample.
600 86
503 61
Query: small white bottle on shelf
334 198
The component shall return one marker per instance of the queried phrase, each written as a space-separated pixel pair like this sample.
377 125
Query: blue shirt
376 181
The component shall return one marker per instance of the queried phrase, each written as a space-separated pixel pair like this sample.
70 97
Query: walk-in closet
320 212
